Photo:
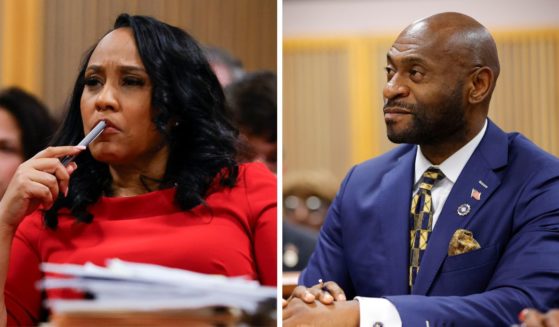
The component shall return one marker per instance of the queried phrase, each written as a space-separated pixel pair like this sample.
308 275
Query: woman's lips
110 130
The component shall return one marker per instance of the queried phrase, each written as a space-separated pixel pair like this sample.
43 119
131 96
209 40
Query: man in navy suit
459 226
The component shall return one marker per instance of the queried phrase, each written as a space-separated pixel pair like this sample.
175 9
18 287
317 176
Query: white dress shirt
380 311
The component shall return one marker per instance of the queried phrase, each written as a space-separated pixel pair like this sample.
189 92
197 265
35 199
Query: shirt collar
453 165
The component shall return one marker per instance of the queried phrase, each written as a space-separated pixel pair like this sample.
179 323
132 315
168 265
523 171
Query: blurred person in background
307 196
298 244
226 67
25 128
252 105
160 185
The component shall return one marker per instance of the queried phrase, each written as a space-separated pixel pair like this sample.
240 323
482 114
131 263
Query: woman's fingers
59 151
40 193
53 165
48 163
48 180
38 180
70 168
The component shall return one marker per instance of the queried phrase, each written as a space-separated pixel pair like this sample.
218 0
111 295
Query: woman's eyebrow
129 68
123 68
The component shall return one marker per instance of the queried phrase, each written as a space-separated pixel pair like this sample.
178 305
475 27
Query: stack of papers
122 288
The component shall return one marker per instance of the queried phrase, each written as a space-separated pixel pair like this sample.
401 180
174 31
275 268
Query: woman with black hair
159 185
25 128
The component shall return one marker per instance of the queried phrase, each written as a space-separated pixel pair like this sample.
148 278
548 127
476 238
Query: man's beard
449 119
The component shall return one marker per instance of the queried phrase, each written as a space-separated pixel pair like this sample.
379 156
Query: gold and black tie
421 219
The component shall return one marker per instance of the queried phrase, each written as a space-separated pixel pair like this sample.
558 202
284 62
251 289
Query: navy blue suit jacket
364 242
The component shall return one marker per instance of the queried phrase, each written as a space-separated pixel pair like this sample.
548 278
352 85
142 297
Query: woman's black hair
33 118
189 110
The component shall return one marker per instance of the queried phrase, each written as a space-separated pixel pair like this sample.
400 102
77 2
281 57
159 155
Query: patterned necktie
422 219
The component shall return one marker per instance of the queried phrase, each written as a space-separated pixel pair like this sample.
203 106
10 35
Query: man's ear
481 84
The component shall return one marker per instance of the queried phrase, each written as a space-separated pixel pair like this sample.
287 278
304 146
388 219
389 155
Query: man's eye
389 72
416 74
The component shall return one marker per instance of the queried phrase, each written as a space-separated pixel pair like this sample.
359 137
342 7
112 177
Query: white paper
137 286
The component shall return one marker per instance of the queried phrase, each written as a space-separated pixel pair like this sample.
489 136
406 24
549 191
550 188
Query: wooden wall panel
315 110
1 39
526 98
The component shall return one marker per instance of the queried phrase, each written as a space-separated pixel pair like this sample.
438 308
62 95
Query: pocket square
462 241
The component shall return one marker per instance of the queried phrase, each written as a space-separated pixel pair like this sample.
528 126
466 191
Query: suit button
378 324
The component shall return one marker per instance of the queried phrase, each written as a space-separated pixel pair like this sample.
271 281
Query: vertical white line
279 172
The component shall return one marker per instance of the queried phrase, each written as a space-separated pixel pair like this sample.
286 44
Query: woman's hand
37 181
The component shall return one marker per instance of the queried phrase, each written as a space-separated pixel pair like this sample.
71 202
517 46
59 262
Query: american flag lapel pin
475 194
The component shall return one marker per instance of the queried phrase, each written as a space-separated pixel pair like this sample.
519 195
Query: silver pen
92 135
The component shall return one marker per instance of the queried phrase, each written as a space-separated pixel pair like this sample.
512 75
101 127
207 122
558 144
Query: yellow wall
332 90
21 43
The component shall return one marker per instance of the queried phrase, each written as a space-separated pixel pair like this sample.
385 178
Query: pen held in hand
92 135
322 287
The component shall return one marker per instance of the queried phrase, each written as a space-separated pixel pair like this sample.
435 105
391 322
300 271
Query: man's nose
395 88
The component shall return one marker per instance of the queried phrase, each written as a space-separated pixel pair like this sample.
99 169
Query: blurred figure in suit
25 128
298 245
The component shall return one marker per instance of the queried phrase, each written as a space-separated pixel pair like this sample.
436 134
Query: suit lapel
398 185
489 155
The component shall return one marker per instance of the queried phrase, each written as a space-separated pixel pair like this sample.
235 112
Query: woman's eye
133 81
92 81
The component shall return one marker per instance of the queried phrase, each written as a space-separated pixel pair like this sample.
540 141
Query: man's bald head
441 73
459 36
